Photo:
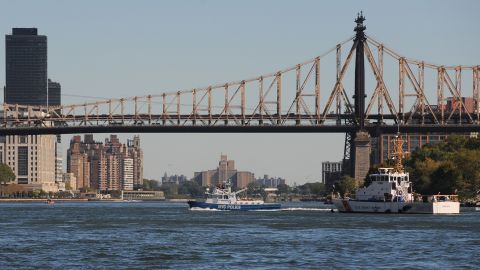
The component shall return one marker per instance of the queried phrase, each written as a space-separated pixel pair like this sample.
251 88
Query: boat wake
295 209
267 210
307 209
204 209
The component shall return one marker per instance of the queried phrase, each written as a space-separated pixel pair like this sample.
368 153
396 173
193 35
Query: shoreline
40 200
31 200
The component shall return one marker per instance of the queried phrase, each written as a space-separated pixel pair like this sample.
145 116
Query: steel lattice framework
273 103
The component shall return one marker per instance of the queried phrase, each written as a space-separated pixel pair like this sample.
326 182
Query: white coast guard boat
390 191
223 198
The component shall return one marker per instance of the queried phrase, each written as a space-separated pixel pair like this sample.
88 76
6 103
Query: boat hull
353 206
234 207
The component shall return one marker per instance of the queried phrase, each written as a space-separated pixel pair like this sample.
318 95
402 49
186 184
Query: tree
169 189
452 166
191 188
283 188
6 174
422 175
150 184
346 185
445 178
317 188
38 193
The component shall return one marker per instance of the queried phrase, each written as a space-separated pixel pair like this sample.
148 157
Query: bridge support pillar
361 158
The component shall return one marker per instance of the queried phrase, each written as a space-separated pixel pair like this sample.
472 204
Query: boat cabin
388 186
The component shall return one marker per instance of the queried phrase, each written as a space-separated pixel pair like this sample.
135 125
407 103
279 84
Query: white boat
390 191
223 198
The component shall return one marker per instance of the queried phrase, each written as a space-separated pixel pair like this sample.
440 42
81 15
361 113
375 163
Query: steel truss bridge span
295 99
373 130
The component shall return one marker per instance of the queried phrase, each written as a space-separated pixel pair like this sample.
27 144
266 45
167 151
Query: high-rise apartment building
136 152
26 67
127 174
111 165
77 163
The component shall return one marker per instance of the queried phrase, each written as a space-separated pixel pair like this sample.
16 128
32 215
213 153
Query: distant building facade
106 166
271 182
143 195
456 105
174 179
70 181
225 171
31 159
331 173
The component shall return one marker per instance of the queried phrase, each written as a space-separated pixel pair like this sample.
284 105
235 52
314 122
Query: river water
117 235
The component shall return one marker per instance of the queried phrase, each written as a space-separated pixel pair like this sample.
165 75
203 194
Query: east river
127 235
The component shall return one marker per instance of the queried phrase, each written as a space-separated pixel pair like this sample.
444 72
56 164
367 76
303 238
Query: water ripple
169 236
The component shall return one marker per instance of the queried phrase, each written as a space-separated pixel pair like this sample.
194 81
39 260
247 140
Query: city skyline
189 54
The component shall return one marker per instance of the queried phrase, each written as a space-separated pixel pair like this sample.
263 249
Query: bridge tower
360 145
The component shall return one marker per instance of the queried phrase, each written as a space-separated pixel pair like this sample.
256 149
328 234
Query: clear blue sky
128 48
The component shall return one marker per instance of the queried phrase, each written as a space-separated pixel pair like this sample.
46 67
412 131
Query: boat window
394 185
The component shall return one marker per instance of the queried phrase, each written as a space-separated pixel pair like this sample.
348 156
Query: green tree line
448 167
188 188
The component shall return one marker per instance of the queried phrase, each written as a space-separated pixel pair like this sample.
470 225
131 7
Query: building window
22 139
22 160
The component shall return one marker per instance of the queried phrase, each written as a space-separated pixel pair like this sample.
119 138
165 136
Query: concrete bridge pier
361 149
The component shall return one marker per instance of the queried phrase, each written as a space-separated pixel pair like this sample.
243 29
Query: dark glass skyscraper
26 67
54 93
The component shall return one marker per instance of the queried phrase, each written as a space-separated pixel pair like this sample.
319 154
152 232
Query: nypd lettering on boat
229 207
